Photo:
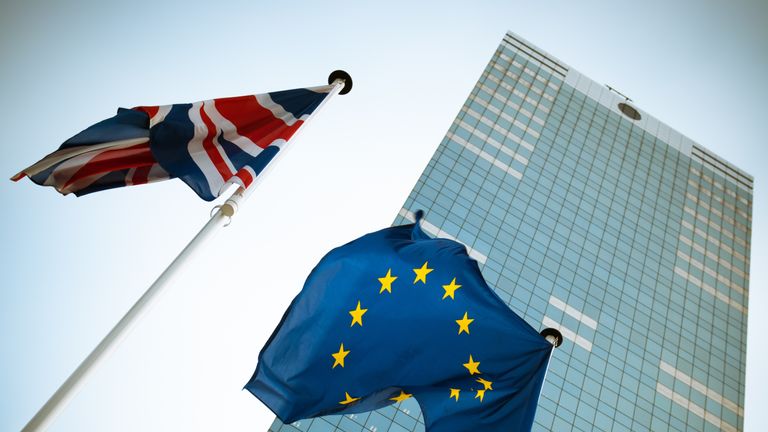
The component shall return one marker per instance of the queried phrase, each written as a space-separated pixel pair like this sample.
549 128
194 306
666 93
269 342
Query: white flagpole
554 337
47 413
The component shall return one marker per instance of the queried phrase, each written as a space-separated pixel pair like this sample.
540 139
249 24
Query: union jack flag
208 144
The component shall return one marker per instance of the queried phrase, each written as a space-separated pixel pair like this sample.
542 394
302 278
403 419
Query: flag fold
396 314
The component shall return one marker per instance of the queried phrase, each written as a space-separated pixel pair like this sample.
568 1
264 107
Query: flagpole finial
552 336
342 75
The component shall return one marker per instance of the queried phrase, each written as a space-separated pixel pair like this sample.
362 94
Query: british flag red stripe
137 157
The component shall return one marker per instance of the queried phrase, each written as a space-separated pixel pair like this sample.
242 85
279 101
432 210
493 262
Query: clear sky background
73 266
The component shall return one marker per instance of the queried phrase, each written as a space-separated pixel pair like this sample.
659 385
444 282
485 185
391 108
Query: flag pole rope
221 216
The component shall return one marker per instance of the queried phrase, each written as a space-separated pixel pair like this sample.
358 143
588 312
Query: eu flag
396 314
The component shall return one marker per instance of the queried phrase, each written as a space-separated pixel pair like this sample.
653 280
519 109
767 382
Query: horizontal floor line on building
694 408
495 126
492 142
486 156
718 185
716 242
717 198
523 50
520 66
709 289
572 311
711 255
701 388
568 333
508 103
507 134
715 226
716 212
722 279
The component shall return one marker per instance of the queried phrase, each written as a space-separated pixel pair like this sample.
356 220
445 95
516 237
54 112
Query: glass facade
629 238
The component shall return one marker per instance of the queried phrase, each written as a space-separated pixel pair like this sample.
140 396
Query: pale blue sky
73 266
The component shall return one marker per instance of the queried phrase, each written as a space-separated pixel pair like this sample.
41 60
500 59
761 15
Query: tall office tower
588 215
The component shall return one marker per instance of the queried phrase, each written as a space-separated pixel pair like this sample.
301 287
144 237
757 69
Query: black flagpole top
558 337
340 74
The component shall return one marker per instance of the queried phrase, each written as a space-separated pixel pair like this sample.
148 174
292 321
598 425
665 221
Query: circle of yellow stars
386 281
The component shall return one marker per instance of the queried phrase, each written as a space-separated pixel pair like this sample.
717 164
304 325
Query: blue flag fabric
396 314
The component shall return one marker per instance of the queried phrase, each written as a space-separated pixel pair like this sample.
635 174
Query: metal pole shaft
47 413
553 340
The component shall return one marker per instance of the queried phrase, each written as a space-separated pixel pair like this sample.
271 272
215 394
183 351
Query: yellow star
386 282
464 323
480 394
421 273
485 383
455 394
348 399
339 357
401 397
450 289
471 365
357 315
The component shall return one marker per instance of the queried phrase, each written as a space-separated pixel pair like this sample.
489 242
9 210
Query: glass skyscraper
588 215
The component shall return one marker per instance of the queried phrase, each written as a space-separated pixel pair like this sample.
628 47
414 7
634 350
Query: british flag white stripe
129 177
62 173
157 173
64 154
81 183
159 116
237 180
217 144
278 111
278 143
198 153
230 131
